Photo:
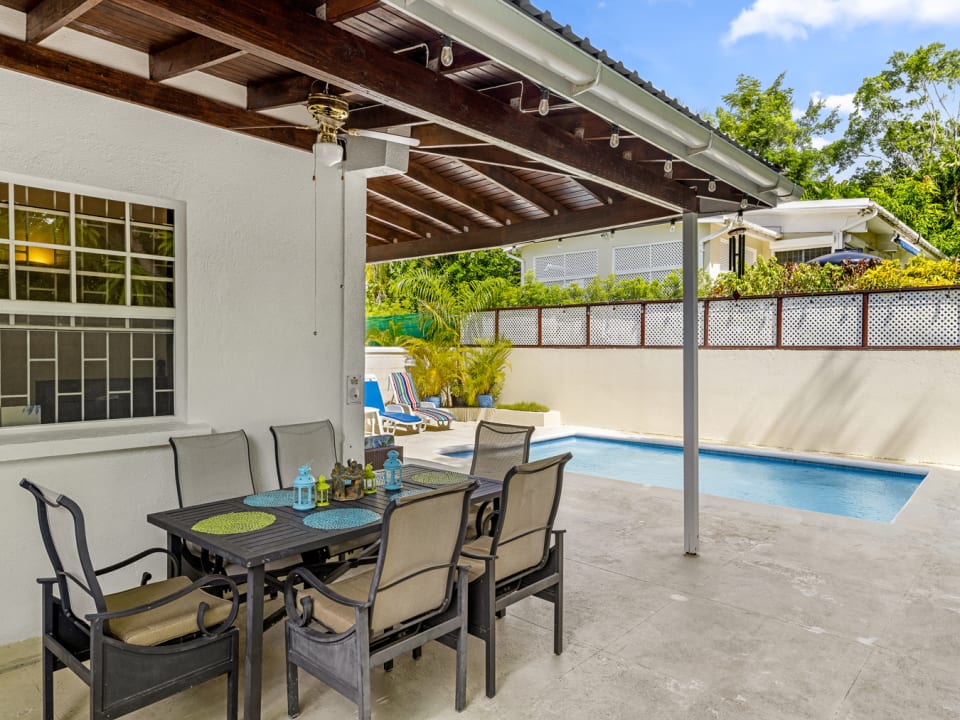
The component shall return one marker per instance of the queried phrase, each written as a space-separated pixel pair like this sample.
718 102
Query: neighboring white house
793 232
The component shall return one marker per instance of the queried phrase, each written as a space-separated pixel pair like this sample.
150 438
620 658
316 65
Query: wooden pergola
490 170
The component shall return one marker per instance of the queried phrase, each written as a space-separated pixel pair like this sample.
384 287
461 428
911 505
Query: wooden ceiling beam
574 223
399 219
380 117
490 155
434 210
521 188
197 53
337 10
295 40
462 195
374 240
431 135
52 65
279 93
51 15
388 232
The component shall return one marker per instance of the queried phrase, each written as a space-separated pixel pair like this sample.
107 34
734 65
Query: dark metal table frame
286 537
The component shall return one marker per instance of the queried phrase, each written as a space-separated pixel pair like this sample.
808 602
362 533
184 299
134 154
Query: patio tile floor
784 614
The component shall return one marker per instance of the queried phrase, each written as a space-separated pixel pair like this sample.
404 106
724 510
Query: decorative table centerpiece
347 481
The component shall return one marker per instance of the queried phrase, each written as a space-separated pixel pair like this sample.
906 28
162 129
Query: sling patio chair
393 414
497 449
313 444
415 593
405 394
135 647
212 467
518 560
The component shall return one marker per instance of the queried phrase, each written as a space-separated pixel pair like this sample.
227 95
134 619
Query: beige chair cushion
166 622
332 614
512 557
480 546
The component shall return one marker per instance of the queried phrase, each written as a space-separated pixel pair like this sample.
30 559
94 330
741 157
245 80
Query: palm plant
484 369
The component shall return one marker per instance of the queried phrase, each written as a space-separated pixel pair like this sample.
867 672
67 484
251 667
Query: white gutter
520 42
906 232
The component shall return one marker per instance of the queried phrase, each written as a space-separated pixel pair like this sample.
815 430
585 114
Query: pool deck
784 614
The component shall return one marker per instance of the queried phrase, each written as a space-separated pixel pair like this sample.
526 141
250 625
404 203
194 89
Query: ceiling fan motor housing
330 113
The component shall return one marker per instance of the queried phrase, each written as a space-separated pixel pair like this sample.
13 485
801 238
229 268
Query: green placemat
341 519
438 477
235 522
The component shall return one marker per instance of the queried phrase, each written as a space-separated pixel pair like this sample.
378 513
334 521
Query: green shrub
525 406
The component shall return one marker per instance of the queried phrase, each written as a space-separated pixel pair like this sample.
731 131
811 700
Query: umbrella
842 256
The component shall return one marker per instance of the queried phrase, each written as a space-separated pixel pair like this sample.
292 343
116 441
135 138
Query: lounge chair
392 414
406 394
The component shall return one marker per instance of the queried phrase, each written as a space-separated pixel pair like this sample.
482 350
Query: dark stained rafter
521 188
388 232
399 219
53 65
466 197
279 93
433 136
51 15
490 155
402 196
622 214
338 10
196 53
327 52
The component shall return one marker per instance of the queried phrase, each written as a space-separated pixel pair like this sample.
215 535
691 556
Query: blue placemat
273 498
341 518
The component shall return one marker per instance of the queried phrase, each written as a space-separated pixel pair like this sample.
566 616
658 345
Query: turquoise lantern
304 490
392 472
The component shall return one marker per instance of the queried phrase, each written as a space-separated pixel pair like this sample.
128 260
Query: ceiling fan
330 114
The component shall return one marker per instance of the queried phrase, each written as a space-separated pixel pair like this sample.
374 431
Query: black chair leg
388 666
293 690
232 692
501 614
48 668
417 652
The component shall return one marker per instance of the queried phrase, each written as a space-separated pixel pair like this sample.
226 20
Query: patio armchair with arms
497 449
135 647
415 593
405 393
393 415
519 559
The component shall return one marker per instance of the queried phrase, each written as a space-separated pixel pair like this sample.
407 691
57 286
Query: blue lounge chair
392 414
405 393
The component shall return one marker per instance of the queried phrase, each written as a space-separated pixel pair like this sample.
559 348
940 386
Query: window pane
119 361
41 345
4 271
100 278
143 387
164 376
143 347
164 403
151 293
119 405
70 408
43 273
68 359
151 241
41 215
13 362
100 234
94 346
95 390
100 207
43 391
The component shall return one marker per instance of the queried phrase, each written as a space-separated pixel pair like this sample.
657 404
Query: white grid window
566 268
87 307
651 262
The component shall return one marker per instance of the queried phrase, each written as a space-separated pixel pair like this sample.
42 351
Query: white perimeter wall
899 405
254 359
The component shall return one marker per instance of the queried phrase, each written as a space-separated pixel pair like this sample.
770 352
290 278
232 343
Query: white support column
691 391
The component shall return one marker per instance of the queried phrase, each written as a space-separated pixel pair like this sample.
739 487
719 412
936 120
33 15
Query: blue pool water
836 489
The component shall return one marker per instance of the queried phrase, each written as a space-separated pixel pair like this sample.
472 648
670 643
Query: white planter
551 418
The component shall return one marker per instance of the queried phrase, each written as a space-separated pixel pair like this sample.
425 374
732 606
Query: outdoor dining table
285 537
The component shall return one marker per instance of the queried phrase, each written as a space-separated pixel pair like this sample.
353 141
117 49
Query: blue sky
694 49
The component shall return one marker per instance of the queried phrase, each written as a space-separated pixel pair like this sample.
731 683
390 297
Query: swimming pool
870 494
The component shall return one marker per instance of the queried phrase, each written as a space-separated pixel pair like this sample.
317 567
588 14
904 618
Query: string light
614 136
712 185
744 203
673 226
667 166
739 216
544 107
446 52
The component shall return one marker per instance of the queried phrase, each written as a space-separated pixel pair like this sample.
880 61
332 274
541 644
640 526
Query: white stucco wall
258 352
898 405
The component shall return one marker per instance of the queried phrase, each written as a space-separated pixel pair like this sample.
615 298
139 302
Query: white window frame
79 430
648 272
561 261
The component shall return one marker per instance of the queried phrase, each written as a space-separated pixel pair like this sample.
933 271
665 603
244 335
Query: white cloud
841 103
819 143
789 19
797 113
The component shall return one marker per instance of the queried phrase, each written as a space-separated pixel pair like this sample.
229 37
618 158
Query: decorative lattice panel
665 324
631 260
929 318
548 268
653 262
565 325
519 326
566 268
616 324
479 326
666 255
581 265
822 321
742 323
